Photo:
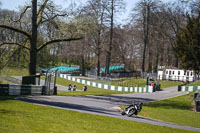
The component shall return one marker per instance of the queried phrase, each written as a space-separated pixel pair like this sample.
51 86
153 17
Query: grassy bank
166 84
98 91
130 82
3 81
176 110
90 91
139 82
136 82
196 83
21 117
14 71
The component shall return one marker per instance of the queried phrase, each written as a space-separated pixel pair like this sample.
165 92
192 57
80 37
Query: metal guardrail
8 89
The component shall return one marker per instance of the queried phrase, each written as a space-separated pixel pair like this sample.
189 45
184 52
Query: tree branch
57 15
10 43
21 15
57 40
16 30
40 12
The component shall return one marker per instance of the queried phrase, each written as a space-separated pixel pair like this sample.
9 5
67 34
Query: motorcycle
132 109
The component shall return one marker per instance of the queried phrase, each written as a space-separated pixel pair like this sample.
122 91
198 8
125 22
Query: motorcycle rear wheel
131 112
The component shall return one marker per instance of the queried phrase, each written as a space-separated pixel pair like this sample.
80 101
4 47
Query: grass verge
22 117
166 84
98 91
130 82
90 91
136 82
3 81
139 82
175 110
14 71
196 83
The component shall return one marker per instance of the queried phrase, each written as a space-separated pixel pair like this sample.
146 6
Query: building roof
61 69
111 68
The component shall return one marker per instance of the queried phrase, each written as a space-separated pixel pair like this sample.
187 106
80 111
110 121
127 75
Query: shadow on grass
10 111
105 100
119 99
3 98
169 104
4 111
81 108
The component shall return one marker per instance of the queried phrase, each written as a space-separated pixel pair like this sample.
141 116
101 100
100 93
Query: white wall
176 74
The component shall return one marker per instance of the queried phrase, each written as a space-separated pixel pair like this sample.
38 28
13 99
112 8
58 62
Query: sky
14 4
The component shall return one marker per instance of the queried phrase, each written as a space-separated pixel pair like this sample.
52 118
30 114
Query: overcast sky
14 4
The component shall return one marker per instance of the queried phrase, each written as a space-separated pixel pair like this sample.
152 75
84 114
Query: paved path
101 105
107 104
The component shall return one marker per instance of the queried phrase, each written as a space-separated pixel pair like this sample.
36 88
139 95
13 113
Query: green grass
130 82
196 83
90 91
14 71
176 110
22 117
98 91
166 84
2 81
124 82
139 82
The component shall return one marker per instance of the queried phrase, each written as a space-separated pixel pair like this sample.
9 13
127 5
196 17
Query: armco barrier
109 87
188 88
6 89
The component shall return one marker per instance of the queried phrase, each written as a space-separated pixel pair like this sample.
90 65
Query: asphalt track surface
108 105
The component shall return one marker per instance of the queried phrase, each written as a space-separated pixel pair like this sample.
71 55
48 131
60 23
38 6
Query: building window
173 72
188 73
166 72
191 73
169 72
178 72
184 72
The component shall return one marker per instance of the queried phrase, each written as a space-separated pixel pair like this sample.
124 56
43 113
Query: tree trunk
156 62
162 58
107 63
168 56
150 61
98 44
146 35
98 52
33 41
98 64
82 65
176 61
108 56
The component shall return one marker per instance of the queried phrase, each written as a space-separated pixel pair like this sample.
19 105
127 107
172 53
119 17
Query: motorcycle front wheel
123 113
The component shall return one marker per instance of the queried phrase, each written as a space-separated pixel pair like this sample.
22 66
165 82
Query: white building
176 74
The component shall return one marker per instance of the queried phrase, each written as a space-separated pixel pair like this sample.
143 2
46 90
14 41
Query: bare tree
115 6
96 13
142 17
38 17
174 21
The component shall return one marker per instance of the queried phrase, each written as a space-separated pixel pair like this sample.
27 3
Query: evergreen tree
188 44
